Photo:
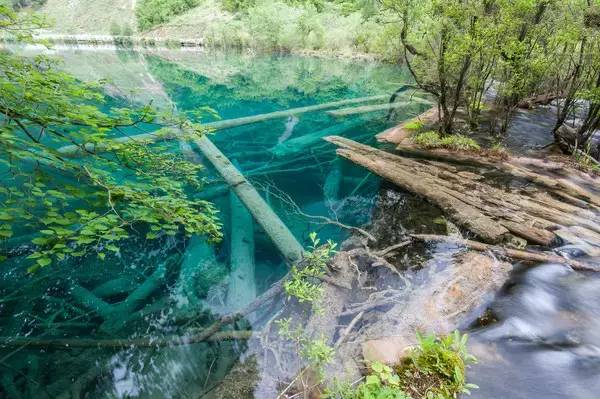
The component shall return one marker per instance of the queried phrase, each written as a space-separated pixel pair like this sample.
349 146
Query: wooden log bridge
495 214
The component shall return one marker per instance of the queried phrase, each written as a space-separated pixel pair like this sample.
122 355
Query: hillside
268 25
89 16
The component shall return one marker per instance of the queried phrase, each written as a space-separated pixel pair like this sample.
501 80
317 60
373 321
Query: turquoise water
307 180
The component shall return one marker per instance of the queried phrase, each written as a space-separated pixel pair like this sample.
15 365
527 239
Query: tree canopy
67 207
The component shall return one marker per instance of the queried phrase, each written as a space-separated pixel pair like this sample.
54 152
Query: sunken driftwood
364 109
281 236
242 287
81 150
493 213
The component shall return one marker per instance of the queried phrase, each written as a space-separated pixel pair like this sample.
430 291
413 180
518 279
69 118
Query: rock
452 298
388 350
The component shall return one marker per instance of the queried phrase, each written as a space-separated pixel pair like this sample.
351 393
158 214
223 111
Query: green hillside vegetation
90 16
343 27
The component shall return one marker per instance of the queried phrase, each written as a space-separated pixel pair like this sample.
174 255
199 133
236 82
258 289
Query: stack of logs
541 210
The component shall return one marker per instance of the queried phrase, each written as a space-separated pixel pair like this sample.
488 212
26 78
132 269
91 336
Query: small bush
429 139
237 5
155 12
457 142
414 125
460 143
435 369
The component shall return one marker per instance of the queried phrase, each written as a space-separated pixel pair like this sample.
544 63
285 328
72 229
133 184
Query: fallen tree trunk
488 210
300 144
283 239
242 287
82 150
527 256
459 212
77 343
370 108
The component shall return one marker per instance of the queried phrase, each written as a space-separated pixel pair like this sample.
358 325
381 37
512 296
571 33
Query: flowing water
542 340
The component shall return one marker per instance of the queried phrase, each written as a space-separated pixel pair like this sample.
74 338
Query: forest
344 199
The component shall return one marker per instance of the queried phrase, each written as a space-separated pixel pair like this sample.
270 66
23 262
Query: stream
539 339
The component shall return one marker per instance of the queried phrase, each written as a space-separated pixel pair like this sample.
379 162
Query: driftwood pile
541 210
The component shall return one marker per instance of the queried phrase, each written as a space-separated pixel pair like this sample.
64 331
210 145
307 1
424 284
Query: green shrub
435 369
460 143
457 142
237 5
429 139
155 12
414 125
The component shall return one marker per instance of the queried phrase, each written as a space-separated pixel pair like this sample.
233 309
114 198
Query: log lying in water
527 256
368 108
489 211
300 144
242 287
75 151
285 241
397 134
76 343
514 166
461 213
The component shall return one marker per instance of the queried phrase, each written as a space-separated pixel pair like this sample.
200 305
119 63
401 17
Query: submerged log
285 241
75 150
370 108
198 258
77 343
242 287
302 143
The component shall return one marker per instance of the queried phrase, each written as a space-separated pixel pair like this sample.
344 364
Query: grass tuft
457 142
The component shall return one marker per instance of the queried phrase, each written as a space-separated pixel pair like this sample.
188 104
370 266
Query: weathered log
300 144
75 343
513 166
198 258
84 149
398 133
364 109
242 287
118 286
287 244
333 182
528 256
458 211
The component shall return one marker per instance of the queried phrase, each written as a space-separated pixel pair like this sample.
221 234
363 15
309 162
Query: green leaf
43 262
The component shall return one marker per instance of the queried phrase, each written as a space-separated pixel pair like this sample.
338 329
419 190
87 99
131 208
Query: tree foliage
151 13
69 207
457 50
